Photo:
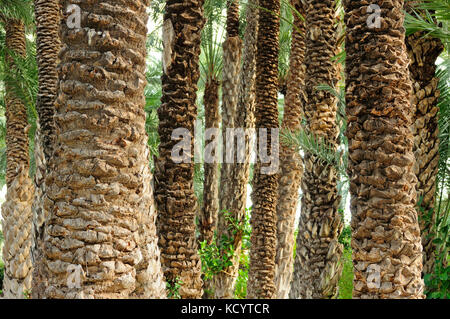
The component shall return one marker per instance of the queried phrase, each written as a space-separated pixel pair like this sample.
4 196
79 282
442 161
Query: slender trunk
210 210
16 210
48 45
224 282
99 233
423 52
387 250
264 195
232 49
174 192
209 213
290 160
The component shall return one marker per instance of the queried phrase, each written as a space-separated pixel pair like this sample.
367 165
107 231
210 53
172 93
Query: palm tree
47 15
210 209
317 267
100 239
386 241
238 177
265 185
232 51
211 67
423 50
16 210
174 182
290 160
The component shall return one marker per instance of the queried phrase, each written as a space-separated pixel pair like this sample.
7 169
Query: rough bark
265 185
210 209
317 264
16 210
232 50
17 221
99 239
423 52
48 44
387 250
239 173
17 156
291 166
174 187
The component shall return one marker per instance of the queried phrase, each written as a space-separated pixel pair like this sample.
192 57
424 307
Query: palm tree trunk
423 52
174 187
387 253
290 160
99 231
224 282
317 265
16 210
210 209
47 49
264 195
232 49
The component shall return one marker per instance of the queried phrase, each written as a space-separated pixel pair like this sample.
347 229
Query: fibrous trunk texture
17 156
232 49
423 52
48 44
265 184
317 264
387 250
16 210
174 188
100 238
291 166
17 221
210 209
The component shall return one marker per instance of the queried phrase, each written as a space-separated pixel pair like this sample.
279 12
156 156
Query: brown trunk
48 45
317 266
224 282
290 160
99 239
423 52
174 182
265 185
16 210
210 210
232 49
387 250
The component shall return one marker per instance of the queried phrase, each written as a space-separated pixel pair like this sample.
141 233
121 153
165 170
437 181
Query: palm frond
17 9
431 17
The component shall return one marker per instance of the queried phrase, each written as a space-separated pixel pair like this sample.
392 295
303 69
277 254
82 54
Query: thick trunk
387 250
290 160
317 266
210 209
423 52
16 210
224 282
232 49
47 48
174 187
99 233
265 185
